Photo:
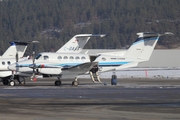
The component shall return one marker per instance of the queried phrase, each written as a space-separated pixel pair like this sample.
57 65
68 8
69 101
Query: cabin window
77 58
65 57
8 62
59 57
82 58
38 56
46 57
71 57
3 63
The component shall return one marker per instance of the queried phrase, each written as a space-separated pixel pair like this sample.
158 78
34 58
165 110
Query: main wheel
5 82
57 83
23 82
75 83
12 83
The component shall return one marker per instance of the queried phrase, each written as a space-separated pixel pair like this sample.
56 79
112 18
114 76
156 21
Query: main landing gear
12 81
59 83
75 82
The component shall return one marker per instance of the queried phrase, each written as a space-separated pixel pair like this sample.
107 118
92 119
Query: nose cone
12 67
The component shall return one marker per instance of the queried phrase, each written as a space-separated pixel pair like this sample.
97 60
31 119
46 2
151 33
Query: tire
75 83
23 82
57 83
5 82
12 83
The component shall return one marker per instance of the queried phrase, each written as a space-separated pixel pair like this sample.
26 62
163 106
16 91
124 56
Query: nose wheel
12 83
5 82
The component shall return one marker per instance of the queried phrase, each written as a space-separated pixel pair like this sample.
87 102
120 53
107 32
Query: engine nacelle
50 71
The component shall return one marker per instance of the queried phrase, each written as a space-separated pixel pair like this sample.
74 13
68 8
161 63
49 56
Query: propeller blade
17 60
33 57
33 77
17 57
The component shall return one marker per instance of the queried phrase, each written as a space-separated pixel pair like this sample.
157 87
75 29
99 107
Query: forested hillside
54 22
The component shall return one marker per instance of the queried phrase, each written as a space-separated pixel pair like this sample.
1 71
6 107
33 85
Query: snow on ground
140 74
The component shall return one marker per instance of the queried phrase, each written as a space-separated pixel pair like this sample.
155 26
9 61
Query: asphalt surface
130 99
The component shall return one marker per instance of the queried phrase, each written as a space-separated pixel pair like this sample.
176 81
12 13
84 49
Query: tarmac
130 99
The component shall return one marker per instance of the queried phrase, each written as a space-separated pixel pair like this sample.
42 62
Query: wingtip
102 35
166 33
35 41
169 33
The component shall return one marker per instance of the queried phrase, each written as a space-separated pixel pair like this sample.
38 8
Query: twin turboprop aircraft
62 63
15 52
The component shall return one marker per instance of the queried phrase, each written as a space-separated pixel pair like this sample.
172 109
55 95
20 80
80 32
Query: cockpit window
38 56
46 57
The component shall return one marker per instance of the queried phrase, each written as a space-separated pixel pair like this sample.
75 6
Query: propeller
17 59
33 66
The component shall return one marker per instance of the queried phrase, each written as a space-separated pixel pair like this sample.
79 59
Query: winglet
168 33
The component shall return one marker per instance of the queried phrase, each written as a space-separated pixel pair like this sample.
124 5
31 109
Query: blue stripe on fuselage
116 63
56 65
112 63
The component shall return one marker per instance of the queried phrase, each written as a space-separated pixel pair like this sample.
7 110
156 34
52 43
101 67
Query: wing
80 68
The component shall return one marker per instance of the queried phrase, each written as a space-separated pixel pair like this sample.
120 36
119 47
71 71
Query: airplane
74 45
64 65
15 51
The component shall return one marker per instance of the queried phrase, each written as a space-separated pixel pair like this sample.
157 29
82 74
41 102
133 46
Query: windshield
38 56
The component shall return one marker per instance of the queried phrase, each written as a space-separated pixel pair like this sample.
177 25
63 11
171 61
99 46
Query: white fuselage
53 63
4 63
59 63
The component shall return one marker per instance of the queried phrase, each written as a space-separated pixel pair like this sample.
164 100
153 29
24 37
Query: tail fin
16 47
143 47
77 43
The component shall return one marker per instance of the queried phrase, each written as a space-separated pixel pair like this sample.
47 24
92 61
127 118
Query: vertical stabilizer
143 47
77 43
16 47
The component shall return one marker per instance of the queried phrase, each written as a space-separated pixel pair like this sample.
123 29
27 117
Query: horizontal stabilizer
90 35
